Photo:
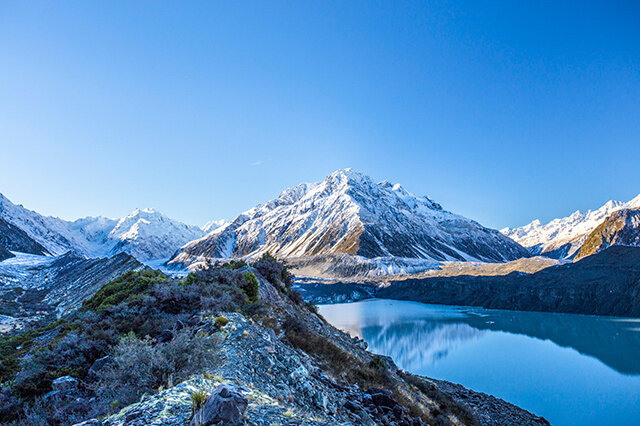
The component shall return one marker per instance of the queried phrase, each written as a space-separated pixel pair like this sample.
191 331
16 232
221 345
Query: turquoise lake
571 369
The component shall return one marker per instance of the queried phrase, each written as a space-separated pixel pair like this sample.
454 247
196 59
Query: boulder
226 405
65 384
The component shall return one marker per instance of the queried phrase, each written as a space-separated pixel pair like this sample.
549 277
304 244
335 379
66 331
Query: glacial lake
570 369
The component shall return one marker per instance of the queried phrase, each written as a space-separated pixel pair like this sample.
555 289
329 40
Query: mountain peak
348 213
563 237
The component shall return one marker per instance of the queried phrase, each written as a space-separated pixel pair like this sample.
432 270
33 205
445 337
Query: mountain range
562 238
350 214
146 233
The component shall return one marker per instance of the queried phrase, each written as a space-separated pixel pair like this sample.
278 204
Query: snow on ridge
145 233
348 212
568 231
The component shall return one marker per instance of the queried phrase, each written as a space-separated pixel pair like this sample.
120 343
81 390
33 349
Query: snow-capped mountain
621 228
212 225
562 238
146 234
349 213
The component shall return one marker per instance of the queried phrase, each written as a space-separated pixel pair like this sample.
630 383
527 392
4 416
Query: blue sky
501 111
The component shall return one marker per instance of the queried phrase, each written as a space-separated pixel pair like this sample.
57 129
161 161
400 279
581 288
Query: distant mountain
212 225
622 227
349 213
146 234
563 238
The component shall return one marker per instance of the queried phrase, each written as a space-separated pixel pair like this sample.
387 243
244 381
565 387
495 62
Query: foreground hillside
232 345
348 215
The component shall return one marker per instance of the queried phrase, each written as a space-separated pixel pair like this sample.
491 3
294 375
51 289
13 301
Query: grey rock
226 405
92 422
65 384
98 366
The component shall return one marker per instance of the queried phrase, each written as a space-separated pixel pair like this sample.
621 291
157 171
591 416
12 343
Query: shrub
296 297
274 271
234 264
221 321
250 286
126 287
189 279
198 398
377 362
142 365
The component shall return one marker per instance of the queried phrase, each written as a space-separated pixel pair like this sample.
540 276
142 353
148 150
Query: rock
226 405
98 366
65 384
383 399
92 422
299 374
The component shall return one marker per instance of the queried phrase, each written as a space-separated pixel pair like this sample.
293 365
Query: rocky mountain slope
147 234
606 283
15 239
622 227
35 288
227 345
563 238
348 213
5 254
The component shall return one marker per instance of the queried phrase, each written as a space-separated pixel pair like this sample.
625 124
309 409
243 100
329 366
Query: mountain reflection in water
422 334
571 369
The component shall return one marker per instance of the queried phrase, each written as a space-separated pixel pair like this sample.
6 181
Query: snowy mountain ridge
146 233
349 213
563 237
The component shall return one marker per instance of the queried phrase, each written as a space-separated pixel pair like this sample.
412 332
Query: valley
336 243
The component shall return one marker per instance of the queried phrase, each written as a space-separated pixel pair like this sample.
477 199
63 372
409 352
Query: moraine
571 369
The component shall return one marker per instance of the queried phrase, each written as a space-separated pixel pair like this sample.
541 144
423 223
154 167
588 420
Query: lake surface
571 369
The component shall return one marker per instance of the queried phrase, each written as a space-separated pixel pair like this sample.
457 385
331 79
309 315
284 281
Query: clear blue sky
501 111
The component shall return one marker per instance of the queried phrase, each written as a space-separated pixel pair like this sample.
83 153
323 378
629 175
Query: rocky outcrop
225 405
620 228
283 385
15 239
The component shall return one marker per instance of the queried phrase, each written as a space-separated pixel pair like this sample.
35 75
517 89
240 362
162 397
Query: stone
383 400
97 366
65 384
91 422
226 405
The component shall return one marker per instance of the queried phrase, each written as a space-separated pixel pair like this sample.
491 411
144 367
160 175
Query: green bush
250 286
189 279
221 321
123 288
234 264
